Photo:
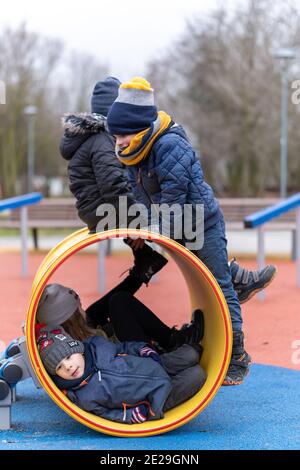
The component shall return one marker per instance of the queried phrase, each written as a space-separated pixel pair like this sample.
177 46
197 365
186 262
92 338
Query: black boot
191 333
147 262
247 283
240 361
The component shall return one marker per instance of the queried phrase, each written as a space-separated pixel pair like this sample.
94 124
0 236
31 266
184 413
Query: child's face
123 141
71 367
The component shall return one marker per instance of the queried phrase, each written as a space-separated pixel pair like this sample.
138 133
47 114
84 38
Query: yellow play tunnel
204 293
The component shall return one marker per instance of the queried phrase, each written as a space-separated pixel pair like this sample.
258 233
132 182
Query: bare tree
38 71
222 82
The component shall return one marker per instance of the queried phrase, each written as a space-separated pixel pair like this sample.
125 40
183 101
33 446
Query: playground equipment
260 218
15 366
23 202
204 294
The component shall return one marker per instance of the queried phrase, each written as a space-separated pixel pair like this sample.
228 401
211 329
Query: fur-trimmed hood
84 123
77 129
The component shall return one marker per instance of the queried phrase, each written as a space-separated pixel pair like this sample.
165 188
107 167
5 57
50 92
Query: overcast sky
122 34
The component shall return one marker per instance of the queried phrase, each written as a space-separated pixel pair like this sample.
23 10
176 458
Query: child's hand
139 414
147 351
135 243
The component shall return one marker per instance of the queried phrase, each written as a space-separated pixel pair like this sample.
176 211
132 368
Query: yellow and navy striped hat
134 109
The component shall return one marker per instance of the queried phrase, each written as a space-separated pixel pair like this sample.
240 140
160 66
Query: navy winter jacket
172 174
122 380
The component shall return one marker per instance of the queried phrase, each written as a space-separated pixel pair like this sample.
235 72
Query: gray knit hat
54 345
57 304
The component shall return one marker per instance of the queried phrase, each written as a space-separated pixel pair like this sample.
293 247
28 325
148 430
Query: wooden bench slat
62 213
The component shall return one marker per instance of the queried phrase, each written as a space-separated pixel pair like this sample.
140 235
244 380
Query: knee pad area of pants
199 376
119 297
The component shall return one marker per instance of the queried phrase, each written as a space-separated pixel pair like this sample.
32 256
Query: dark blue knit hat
134 109
104 95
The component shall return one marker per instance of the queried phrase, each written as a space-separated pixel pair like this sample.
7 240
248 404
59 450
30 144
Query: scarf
89 369
142 142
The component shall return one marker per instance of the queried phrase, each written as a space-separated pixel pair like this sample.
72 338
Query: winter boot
147 262
247 283
191 333
240 361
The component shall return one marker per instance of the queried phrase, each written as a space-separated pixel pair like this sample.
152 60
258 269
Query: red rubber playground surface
272 326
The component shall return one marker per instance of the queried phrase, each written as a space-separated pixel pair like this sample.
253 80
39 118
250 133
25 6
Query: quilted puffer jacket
172 174
121 380
95 174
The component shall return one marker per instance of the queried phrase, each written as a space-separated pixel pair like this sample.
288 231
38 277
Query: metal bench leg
261 255
35 237
24 240
294 245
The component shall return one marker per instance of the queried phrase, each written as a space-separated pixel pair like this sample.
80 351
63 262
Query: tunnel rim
63 402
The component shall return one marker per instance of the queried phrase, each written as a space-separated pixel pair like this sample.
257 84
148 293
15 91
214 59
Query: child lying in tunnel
127 382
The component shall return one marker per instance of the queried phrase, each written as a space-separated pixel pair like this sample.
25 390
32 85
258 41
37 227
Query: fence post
102 246
294 245
298 245
24 240
261 255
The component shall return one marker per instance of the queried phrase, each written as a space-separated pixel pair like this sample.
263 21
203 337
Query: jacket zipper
129 376
140 181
